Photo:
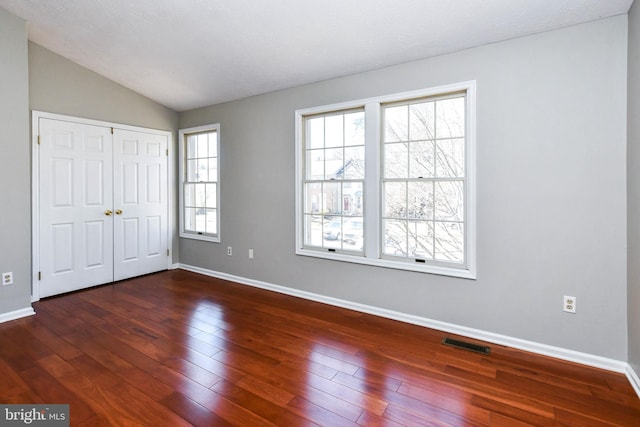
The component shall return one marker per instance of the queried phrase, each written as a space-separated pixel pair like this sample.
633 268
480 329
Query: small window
200 183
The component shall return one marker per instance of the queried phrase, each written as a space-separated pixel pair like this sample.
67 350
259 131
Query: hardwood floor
177 348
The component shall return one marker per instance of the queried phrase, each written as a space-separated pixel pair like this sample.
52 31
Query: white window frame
182 170
373 186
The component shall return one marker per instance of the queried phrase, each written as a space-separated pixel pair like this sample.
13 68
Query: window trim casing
372 251
182 134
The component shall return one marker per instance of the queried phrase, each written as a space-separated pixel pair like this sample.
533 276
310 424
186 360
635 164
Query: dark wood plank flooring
178 348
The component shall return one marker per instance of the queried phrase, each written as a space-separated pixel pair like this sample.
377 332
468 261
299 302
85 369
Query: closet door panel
75 197
140 202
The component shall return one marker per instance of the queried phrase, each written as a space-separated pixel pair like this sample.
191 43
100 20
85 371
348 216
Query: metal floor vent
466 345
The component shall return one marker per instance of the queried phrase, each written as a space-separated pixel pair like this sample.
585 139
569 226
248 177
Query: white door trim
35 190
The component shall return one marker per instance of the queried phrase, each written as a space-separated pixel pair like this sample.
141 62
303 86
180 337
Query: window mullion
372 185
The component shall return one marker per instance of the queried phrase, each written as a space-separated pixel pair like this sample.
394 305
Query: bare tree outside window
423 179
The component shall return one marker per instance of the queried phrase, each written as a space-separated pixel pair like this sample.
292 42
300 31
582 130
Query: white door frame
35 190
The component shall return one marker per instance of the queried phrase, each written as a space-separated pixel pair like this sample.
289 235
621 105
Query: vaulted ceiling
186 54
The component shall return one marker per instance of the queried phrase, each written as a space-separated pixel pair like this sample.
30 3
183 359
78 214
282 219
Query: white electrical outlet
569 304
250 253
229 251
7 279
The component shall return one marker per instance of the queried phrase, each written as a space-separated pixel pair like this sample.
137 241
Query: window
200 183
423 179
334 180
388 181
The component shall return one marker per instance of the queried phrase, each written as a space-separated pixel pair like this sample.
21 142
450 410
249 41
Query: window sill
388 263
203 237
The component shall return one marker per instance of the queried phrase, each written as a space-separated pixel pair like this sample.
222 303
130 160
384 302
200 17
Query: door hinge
111 131
38 139
39 275
167 252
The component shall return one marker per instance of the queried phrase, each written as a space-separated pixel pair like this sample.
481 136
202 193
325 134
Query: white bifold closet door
102 205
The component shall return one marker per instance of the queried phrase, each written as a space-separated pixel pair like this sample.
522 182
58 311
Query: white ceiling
186 54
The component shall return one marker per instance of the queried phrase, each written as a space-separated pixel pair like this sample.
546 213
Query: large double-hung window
334 180
389 181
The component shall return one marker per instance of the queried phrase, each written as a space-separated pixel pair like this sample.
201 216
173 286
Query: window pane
313 198
395 235
422 121
189 195
201 217
211 224
201 195
211 196
420 200
192 152
396 123
332 198
213 170
352 235
192 170
334 163
189 219
332 232
395 199
203 170
353 163
449 241
315 164
421 159
354 129
396 160
203 145
449 202
313 230
450 158
352 198
450 118
420 239
334 132
315 133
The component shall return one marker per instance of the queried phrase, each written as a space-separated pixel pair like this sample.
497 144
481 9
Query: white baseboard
633 379
530 346
17 314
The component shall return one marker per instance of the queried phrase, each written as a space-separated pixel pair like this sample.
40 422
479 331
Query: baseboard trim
530 346
633 379
17 314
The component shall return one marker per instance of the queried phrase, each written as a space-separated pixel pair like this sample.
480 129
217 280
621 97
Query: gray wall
633 187
15 175
551 191
57 85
